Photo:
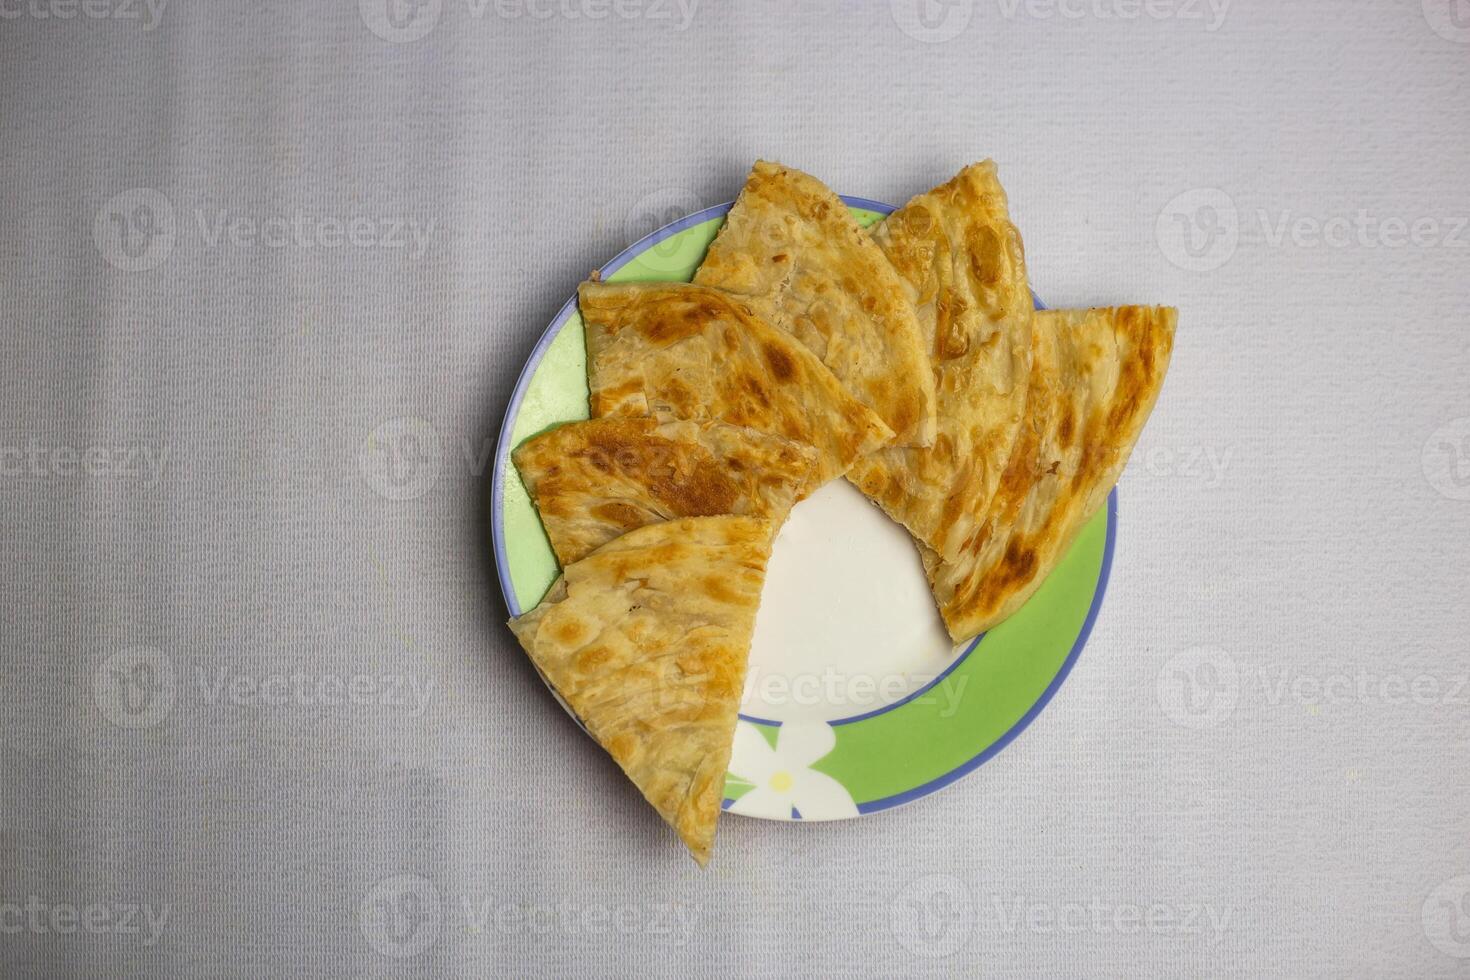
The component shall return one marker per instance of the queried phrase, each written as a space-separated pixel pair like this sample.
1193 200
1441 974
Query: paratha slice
646 639
792 245
957 248
597 479
1094 380
678 351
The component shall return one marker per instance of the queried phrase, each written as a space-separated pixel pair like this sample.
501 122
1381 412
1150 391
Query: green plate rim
513 605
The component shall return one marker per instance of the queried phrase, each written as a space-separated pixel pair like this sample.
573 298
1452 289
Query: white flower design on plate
783 777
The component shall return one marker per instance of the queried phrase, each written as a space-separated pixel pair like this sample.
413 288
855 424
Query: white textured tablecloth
260 715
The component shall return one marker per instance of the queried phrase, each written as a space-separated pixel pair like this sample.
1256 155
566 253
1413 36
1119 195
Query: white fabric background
1293 517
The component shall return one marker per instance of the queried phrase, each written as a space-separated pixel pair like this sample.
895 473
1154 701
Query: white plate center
847 624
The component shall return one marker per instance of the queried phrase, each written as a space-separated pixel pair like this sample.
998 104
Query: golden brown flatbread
791 245
678 351
957 248
646 639
595 480
1094 380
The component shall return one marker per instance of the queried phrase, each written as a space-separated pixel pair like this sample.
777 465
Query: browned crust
596 479
679 351
647 639
1095 378
793 247
958 250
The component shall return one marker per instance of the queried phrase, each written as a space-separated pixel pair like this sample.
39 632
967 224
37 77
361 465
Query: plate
855 699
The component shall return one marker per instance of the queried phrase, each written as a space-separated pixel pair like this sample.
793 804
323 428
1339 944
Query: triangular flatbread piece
1095 377
646 639
595 480
957 248
791 245
677 351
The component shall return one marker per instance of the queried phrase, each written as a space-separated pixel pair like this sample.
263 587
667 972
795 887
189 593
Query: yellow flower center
781 781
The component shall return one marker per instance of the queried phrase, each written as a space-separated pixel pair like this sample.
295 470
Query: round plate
855 699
